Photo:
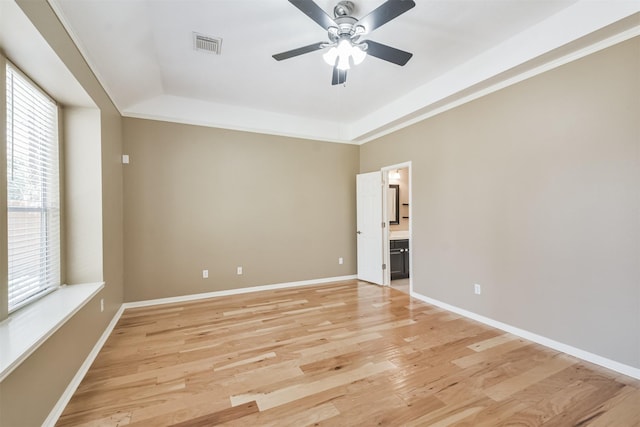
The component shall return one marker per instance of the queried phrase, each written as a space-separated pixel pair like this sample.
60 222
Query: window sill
26 329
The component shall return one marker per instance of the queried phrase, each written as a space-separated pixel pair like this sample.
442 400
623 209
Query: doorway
397 237
384 227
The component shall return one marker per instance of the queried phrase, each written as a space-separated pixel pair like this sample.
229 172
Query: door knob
359 232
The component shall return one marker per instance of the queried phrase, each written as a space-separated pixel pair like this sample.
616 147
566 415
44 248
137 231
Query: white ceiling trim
456 102
557 31
475 78
575 22
83 51
203 113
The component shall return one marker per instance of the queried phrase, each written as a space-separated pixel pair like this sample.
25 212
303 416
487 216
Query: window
33 198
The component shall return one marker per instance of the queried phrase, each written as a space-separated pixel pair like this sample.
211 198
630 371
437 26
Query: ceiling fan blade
299 51
313 11
388 53
339 76
385 13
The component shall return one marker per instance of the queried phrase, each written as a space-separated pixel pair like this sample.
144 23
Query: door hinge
384 266
384 224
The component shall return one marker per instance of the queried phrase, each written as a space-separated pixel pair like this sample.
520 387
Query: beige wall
201 198
533 192
29 393
112 209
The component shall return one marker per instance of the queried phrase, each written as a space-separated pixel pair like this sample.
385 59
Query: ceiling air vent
204 43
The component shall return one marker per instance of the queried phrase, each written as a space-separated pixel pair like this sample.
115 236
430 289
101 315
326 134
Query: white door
369 227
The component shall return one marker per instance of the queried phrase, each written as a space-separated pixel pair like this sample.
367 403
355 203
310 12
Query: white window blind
33 199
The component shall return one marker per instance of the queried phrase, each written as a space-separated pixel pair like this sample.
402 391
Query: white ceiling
142 52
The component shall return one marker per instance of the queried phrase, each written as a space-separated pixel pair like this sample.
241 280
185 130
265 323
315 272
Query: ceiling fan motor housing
346 28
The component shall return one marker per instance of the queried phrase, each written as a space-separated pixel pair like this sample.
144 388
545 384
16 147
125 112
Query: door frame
385 238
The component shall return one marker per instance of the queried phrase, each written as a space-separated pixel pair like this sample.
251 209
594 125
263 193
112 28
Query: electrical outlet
205 274
477 289
101 305
239 271
340 260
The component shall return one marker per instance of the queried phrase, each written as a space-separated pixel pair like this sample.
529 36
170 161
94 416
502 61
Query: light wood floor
341 354
401 285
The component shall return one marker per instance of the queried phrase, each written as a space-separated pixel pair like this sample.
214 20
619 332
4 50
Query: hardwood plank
258 358
493 342
178 409
347 353
489 353
285 395
449 414
534 375
220 417
623 409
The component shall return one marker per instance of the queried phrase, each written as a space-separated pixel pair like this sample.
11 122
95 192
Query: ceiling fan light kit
343 52
344 32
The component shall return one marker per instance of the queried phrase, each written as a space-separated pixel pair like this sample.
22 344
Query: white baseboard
539 339
238 291
55 413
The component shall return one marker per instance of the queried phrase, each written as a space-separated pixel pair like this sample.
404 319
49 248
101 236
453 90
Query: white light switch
205 274
239 271
125 159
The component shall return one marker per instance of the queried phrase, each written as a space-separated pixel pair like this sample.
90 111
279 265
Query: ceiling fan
344 32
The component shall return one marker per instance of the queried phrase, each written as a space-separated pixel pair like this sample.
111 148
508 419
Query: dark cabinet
399 259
